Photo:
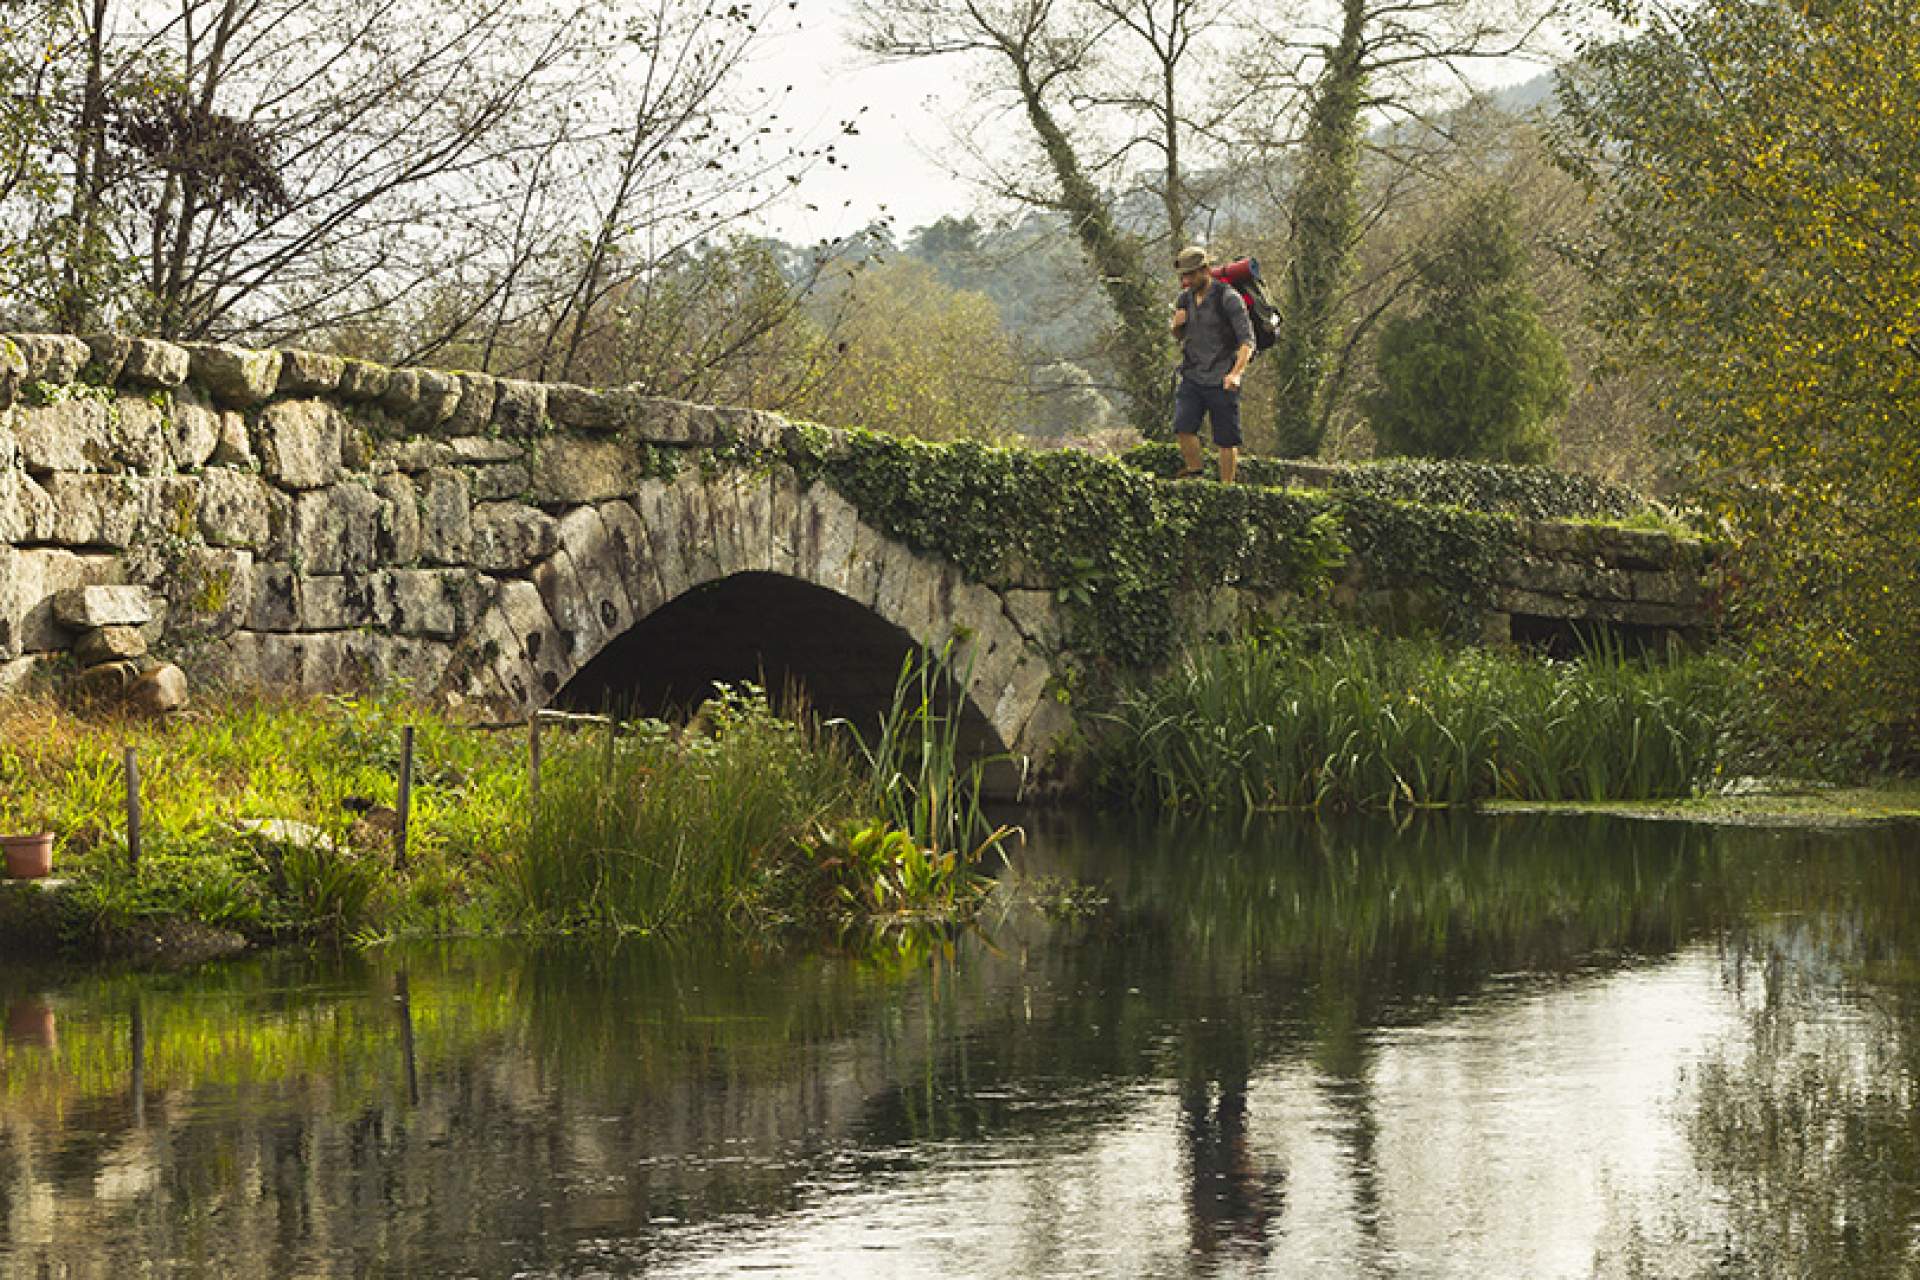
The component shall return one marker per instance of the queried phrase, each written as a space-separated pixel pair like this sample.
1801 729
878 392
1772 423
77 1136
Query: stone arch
620 561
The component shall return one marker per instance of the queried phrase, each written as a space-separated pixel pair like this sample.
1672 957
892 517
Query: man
1216 341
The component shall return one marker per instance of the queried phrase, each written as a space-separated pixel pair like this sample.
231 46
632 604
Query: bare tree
1041 49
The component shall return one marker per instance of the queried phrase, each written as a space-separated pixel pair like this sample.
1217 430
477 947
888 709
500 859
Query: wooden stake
533 765
406 796
133 807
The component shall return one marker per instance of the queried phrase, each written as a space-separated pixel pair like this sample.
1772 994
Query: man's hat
1191 258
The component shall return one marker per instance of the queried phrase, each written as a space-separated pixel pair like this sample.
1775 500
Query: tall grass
1365 723
916 778
643 826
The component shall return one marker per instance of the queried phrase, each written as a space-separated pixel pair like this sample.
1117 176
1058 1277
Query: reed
1355 722
641 826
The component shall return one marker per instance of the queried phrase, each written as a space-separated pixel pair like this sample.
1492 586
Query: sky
892 167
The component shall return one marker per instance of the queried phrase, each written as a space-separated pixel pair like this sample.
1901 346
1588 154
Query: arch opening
762 628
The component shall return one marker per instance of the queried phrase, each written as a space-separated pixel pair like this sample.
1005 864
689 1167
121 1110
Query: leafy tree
1472 373
1758 165
917 358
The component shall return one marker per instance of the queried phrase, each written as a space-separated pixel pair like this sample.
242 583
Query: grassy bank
272 820
1354 722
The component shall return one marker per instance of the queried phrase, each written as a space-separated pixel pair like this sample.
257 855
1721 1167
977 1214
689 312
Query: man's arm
1179 325
1243 330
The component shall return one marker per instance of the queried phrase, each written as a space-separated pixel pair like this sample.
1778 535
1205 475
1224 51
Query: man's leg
1189 452
1188 408
1223 409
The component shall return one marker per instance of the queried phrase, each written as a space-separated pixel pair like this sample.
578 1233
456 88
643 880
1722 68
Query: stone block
446 517
1677 587
509 537
109 644
519 408
236 376
209 593
439 398
235 509
754 428
13 370
310 373
102 606
26 510
657 420
582 408
336 529
193 431
500 481
659 518
106 356
153 363
411 455
94 510
574 470
475 450
73 434
343 602
399 533
582 585
260 661
300 443
55 358
362 380
630 551
437 603
23 674
1037 615
1022 692
474 412
235 446
29 580
542 654
401 395
142 433
274 600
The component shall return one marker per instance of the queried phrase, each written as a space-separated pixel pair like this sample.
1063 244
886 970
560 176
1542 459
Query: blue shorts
1193 402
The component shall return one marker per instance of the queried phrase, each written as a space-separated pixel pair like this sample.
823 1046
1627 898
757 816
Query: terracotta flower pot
31 1022
28 857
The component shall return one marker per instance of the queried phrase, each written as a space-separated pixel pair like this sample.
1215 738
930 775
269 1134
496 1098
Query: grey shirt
1215 332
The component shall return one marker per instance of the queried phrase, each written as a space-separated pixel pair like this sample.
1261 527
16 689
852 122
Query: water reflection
1465 1048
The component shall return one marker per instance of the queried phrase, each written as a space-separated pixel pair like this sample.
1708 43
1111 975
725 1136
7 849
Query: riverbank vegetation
1355 722
270 820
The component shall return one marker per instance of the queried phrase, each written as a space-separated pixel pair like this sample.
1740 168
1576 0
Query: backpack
1242 275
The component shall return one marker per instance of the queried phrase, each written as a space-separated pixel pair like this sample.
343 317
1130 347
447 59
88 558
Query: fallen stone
85 607
157 692
109 644
106 681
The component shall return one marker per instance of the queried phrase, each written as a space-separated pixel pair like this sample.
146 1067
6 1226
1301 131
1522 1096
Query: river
1463 1047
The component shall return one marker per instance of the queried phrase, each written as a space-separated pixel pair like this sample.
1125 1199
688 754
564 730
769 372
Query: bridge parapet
312 522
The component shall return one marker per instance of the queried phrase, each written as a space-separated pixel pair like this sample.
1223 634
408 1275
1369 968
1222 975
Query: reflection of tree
1811 1126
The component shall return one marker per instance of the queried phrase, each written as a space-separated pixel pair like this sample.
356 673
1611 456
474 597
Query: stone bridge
305 522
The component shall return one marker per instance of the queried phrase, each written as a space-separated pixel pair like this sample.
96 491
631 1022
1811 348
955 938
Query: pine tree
1472 372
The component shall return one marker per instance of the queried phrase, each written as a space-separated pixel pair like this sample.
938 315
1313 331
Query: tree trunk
1324 220
1140 336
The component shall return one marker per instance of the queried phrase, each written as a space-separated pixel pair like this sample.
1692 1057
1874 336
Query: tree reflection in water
494 1109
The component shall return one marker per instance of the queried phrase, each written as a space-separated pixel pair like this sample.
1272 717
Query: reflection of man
1216 341
1230 1198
